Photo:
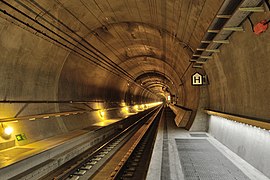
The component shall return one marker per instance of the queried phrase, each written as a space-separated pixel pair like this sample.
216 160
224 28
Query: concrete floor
18 153
166 164
43 156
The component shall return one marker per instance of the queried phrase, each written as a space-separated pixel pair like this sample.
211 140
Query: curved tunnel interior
102 57
67 65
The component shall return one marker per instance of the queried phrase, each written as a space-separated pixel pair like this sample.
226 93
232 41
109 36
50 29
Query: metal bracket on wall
223 25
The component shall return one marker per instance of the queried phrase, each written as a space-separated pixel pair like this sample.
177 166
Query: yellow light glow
125 110
136 107
102 114
149 105
102 123
8 130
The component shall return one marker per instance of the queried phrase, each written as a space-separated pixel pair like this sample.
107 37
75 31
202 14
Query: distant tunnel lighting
126 108
102 114
169 98
8 130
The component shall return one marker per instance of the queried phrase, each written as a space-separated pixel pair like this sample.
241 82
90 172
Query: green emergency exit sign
20 137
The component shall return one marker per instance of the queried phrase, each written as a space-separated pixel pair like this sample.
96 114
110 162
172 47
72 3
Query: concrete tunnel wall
239 74
34 69
240 85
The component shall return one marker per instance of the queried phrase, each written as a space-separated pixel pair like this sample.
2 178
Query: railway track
135 140
137 164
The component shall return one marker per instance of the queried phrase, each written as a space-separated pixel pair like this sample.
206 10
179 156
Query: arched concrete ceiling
155 79
169 29
109 33
95 50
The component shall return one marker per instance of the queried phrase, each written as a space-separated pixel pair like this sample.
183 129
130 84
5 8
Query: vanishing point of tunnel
135 89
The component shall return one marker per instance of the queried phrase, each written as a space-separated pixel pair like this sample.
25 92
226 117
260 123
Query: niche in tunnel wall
249 142
201 119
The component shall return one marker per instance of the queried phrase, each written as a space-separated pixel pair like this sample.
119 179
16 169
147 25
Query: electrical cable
128 9
111 63
113 26
61 37
251 23
197 20
100 22
187 20
118 74
64 45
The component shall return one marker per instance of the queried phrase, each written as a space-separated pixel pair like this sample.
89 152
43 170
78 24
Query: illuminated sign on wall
20 137
198 79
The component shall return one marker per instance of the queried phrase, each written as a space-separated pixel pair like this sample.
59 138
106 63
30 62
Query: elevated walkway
38 158
183 155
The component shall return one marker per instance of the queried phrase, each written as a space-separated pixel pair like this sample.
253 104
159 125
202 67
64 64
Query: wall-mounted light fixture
6 131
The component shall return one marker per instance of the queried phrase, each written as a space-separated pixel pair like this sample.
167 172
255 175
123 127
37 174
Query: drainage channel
86 166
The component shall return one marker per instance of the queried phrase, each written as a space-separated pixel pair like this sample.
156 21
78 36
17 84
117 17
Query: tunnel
77 74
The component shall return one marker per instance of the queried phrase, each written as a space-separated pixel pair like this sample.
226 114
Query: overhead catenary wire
133 17
95 57
112 26
99 54
196 23
187 20
56 34
178 22
127 9
54 40
106 20
143 44
81 37
64 45
130 14
84 4
139 13
102 23
109 46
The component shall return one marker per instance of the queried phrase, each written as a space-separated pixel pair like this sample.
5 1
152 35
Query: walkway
183 155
